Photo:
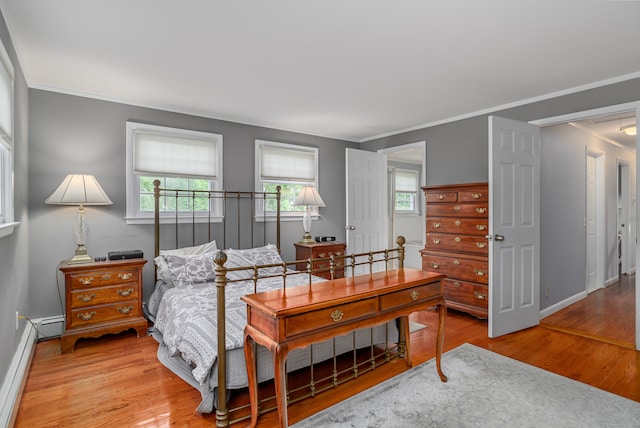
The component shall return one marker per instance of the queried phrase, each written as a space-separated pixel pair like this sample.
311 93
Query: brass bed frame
200 229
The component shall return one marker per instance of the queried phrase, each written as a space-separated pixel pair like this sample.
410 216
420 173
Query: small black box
126 254
325 238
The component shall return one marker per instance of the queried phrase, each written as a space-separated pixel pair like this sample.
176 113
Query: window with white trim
6 142
406 191
290 166
180 159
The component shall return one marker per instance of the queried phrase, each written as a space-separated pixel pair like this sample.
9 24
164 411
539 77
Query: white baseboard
563 304
610 281
50 327
16 376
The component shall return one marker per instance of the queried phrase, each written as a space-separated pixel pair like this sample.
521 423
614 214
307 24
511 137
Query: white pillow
191 270
266 255
161 264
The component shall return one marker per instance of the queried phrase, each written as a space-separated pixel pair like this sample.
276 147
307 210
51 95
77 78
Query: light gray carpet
484 390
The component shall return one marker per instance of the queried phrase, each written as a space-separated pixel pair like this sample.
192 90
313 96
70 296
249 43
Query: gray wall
457 152
70 134
14 249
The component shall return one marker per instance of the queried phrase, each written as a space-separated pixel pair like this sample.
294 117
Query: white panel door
592 243
366 175
514 226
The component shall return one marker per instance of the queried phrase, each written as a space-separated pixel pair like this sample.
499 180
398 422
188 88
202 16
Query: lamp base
307 239
81 256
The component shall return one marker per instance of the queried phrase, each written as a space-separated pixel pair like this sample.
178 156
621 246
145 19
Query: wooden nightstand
320 250
102 297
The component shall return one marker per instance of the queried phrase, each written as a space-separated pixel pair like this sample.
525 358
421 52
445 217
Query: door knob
497 237
350 227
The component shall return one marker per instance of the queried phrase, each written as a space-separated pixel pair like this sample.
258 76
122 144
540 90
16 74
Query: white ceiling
352 69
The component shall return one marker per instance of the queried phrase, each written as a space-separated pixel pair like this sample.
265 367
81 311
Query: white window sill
6 229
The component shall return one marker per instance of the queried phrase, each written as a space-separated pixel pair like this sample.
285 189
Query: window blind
281 164
406 181
159 154
6 97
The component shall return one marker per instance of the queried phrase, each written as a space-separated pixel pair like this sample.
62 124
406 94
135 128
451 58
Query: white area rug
484 390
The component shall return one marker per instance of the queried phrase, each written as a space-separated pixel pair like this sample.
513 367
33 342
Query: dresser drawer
465 226
439 197
98 296
98 314
457 243
458 210
412 295
473 195
315 320
457 267
101 278
466 293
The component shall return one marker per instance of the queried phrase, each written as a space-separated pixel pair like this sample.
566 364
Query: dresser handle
481 227
86 281
435 265
457 222
436 225
125 309
481 210
457 208
87 315
86 299
456 284
337 315
476 195
414 295
322 255
436 240
479 272
125 293
479 295
456 262
481 244
457 239
441 197
125 276
106 277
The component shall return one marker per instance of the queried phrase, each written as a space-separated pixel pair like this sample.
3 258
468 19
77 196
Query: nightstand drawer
98 314
315 320
412 295
97 279
99 296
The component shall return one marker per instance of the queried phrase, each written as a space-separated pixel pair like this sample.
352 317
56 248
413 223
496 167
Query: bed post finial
401 241
222 413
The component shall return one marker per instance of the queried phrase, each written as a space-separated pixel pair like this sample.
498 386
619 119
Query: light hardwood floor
117 380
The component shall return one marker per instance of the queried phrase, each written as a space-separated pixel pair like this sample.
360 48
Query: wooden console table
283 320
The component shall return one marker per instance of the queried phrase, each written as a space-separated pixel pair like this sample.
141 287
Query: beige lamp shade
308 196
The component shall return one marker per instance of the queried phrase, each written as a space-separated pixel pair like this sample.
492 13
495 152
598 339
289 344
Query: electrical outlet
546 291
17 320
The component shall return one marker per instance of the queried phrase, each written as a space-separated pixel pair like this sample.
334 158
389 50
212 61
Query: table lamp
310 197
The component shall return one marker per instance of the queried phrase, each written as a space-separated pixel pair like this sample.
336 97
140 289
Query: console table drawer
412 295
315 320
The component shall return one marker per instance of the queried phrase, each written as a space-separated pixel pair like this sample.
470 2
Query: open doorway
405 208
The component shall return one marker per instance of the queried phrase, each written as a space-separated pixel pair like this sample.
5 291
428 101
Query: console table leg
249 356
442 317
280 380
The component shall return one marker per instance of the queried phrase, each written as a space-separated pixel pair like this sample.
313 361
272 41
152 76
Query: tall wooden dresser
457 219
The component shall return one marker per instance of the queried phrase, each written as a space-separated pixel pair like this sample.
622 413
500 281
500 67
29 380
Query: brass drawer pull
125 309
479 295
414 295
441 197
481 210
436 225
457 208
337 315
479 272
457 222
436 240
86 298
456 284
456 262
476 195
86 281
125 276
126 293
106 277
435 265
481 244
481 227
457 239
87 315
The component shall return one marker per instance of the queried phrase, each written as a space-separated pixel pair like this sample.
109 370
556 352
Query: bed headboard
233 219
